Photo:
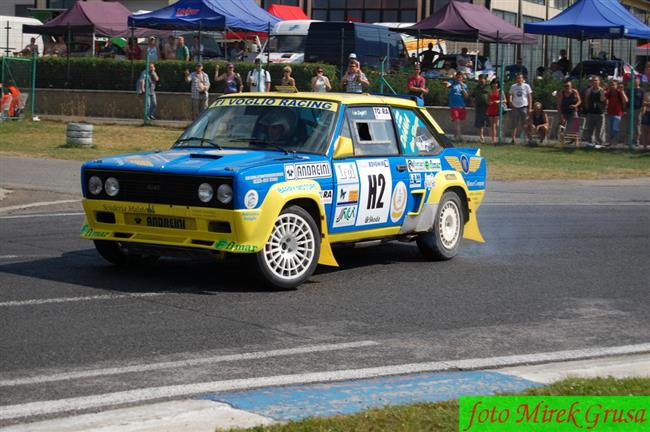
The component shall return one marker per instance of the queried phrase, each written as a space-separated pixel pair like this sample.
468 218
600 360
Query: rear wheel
444 241
115 254
290 256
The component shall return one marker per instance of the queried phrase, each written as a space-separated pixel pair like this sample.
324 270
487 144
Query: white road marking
40 215
37 204
155 393
185 363
8 256
34 302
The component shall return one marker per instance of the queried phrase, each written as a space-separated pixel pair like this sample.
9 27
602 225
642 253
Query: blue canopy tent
207 15
592 19
595 19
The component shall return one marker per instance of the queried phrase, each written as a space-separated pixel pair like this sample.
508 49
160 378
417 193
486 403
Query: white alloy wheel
449 224
291 247
443 241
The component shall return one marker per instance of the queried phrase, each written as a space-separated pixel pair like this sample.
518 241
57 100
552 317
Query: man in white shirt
520 98
464 63
258 79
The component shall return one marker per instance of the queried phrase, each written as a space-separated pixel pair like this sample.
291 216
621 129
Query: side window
415 136
373 133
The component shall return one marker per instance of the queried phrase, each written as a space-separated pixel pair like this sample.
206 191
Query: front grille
155 188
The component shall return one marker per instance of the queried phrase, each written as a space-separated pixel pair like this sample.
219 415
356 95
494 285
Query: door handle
401 168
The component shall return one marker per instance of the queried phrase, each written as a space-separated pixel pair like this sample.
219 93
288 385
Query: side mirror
343 148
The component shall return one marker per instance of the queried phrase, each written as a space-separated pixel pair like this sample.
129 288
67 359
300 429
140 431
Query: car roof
343 98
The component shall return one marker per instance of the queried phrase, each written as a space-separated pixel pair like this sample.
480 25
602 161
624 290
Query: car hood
194 161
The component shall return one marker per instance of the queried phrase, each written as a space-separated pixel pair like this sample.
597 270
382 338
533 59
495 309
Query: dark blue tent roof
598 19
207 15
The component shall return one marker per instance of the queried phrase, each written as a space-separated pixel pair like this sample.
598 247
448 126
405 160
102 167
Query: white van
287 42
17 39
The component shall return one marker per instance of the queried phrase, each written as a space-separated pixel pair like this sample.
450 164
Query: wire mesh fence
18 87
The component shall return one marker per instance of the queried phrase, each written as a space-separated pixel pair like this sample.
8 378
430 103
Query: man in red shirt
417 85
616 100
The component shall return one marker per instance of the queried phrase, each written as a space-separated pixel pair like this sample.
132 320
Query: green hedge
106 74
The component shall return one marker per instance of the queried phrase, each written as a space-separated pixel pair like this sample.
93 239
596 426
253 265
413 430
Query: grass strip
511 162
443 416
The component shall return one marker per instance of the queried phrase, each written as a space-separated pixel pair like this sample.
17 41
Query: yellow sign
282 102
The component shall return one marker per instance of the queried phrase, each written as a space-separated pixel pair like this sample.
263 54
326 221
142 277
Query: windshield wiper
262 143
201 140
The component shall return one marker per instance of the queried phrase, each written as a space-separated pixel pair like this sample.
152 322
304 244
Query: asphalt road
565 266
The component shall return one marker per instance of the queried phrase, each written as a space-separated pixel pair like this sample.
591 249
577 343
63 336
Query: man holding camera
200 86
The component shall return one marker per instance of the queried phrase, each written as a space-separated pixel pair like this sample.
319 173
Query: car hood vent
205 156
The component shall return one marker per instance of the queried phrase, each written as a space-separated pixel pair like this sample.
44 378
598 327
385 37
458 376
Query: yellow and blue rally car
281 178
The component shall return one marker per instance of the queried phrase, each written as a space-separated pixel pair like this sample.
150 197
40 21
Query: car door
370 187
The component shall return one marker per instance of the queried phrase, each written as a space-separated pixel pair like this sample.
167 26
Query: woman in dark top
568 101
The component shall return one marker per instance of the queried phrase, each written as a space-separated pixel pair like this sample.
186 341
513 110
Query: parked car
484 66
332 42
279 179
606 69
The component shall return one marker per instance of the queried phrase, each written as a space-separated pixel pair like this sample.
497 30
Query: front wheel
290 256
443 242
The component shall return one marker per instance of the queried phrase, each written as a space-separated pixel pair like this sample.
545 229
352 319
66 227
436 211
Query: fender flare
257 232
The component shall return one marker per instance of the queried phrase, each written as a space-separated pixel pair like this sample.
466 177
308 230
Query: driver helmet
280 118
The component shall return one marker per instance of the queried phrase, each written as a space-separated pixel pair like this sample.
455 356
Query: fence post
33 90
146 91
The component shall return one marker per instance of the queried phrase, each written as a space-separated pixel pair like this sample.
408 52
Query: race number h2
375 182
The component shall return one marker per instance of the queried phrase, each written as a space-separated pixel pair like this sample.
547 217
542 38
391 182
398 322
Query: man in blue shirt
515 69
457 95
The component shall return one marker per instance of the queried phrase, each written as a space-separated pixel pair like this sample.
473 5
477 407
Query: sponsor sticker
398 203
307 170
345 216
280 102
381 113
429 181
231 246
264 178
423 165
251 198
326 196
346 172
415 180
299 187
347 195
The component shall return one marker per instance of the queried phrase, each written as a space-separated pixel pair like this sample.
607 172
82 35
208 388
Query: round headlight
205 192
112 186
95 185
224 193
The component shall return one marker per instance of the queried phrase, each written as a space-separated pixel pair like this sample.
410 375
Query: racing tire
291 254
113 253
80 127
443 242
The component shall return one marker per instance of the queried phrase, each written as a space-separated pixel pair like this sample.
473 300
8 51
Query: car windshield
280 124
288 43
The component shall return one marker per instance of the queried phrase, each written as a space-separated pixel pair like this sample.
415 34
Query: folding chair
572 130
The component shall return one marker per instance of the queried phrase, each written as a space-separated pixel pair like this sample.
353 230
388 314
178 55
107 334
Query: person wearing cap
200 84
258 79
231 79
149 78
152 50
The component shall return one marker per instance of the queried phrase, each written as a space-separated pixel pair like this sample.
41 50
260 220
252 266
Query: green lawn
47 139
443 416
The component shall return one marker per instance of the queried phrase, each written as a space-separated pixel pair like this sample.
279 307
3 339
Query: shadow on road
201 277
